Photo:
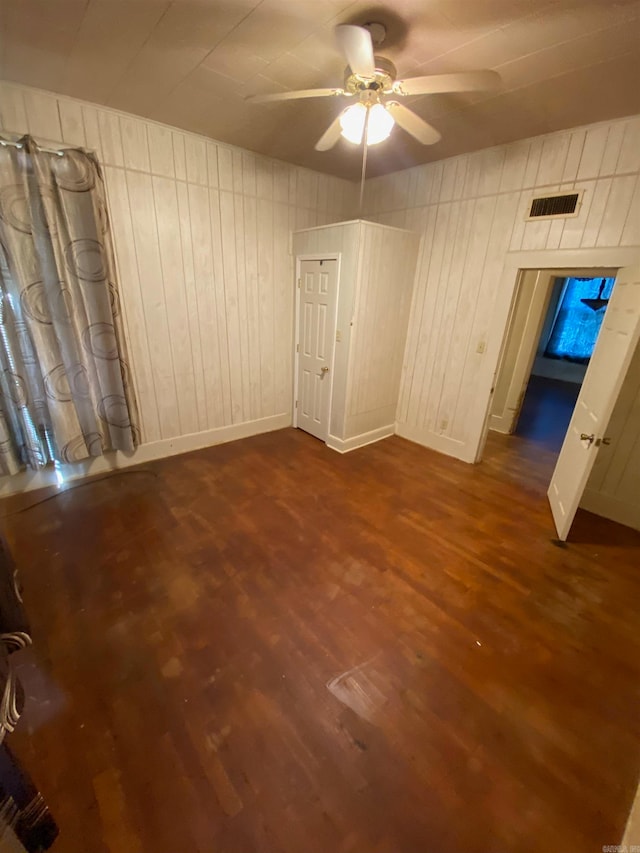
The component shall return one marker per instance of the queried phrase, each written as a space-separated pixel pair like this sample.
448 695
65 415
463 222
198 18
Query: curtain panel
65 390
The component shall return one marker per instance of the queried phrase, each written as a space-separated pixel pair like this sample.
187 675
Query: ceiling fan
371 81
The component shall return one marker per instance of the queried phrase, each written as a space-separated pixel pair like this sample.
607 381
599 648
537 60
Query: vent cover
564 204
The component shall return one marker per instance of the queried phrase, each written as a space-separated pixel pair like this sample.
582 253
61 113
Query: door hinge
299 282
296 404
297 347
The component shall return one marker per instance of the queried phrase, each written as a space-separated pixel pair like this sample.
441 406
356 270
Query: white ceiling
190 63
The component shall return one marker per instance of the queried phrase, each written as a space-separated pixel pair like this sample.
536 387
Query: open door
602 383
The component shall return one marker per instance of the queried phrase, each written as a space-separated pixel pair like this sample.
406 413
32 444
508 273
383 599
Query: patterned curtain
575 329
64 381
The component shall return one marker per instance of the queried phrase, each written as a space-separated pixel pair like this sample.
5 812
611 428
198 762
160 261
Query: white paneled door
318 285
602 383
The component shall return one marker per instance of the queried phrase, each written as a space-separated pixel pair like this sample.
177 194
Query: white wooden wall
386 269
470 211
613 489
202 241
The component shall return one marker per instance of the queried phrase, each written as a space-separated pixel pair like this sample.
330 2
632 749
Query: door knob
590 438
324 370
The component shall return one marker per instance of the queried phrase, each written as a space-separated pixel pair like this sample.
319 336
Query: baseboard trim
346 445
27 481
441 443
611 508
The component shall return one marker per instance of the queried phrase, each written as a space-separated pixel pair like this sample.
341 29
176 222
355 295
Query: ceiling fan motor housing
385 74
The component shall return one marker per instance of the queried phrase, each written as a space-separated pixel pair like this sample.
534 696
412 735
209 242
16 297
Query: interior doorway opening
551 335
597 465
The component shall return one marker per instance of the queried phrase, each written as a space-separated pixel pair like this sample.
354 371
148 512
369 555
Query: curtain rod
8 142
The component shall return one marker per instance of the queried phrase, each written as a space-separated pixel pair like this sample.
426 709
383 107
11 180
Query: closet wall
202 235
470 211
377 267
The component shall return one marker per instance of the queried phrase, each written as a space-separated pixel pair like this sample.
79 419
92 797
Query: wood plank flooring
266 647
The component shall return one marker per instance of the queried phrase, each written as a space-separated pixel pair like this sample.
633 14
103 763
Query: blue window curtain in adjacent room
576 326
65 394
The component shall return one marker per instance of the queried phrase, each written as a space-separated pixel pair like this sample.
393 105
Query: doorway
551 335
604 384
317 291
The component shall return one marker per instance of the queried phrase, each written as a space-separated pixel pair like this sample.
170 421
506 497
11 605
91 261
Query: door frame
614 257
312 256
540 295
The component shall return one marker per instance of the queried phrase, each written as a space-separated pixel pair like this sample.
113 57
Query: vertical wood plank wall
202 238
613 489
386 269
470 211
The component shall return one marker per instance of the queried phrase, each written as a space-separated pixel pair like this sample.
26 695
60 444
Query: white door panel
317 317
602 383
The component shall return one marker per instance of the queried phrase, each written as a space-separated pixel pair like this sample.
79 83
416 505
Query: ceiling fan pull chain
364 157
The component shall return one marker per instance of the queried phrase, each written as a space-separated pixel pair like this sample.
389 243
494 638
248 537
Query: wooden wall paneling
592 152
452 334
418 326
245 341
196 160
629 158
284 302
232 309
179 156
612 148
225 168
111 139
514 167
488 294
596 213
552 160
252 284
92 131
192 327
135 148
222 316
212 165
161 156
432 312
131 300
631 230
265 263
72 123
458 370
616 211
43 116
177 310
13 112
145 234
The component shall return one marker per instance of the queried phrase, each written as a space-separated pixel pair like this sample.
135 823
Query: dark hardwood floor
546 411
266 647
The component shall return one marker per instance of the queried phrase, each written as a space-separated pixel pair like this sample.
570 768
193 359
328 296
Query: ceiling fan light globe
380 124
352 123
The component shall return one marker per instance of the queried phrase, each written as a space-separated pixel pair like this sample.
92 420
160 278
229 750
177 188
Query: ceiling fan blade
465 81
293 96
357 47
330 136
413 124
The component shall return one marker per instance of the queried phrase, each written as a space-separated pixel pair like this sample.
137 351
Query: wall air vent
556 205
